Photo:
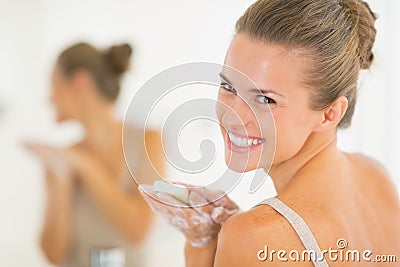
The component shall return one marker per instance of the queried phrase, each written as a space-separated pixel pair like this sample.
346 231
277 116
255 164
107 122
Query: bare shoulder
248 237
368 163
376 174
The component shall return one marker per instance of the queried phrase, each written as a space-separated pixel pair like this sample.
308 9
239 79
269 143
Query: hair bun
118 57
364 20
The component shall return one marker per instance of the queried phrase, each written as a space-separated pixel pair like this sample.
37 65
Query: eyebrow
254 90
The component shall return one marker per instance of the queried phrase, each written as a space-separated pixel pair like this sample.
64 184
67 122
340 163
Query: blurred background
164 34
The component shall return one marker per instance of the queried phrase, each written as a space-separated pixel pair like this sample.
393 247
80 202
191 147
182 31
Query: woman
93 203
305 56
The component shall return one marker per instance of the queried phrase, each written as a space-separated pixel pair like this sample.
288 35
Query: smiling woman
305 57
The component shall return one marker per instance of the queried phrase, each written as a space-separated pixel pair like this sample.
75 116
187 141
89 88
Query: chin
241 163
237 169
242 159
61 117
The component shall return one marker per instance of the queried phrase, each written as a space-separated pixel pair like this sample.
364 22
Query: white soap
177 191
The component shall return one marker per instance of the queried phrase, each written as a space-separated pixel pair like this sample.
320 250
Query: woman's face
64 95
268 120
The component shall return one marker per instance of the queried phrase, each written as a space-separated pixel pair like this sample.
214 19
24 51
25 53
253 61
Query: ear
332 115
82 81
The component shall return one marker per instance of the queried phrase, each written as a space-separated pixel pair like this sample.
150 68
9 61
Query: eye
228 87
262 99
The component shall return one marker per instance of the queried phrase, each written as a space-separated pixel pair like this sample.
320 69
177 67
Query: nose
237 114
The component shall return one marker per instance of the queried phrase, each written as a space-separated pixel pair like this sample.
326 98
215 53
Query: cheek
268 131
59 96
291 134
64 100
55 96
219 110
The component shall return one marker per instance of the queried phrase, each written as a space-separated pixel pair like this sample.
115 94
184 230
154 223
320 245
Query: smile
241 142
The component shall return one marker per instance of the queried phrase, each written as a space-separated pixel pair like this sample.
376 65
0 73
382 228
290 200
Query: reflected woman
93 202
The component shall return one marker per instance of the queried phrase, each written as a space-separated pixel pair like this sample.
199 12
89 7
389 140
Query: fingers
170 208
29 145
143 188
199 203
168 199
151 198
193 221
217 197
51 158
208 196
220 214
189 186
163 202
46 153
196 199
148 193
38 149
219 210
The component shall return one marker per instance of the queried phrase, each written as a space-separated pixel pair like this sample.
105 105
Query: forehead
267 65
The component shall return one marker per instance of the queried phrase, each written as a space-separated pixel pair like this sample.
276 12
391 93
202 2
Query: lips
242 143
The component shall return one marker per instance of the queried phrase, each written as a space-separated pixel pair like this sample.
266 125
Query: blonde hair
336 36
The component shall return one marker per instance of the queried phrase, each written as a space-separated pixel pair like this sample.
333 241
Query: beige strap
301 228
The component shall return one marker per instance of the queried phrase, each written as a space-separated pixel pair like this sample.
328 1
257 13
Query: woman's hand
223 206
199 220
53 159
63 162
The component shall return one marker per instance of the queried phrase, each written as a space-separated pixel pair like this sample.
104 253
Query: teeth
244 142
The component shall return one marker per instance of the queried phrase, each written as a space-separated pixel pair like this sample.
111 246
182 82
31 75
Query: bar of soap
177 191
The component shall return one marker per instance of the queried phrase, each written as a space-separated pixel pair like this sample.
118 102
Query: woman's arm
258 237
200 256
55 237
127 211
